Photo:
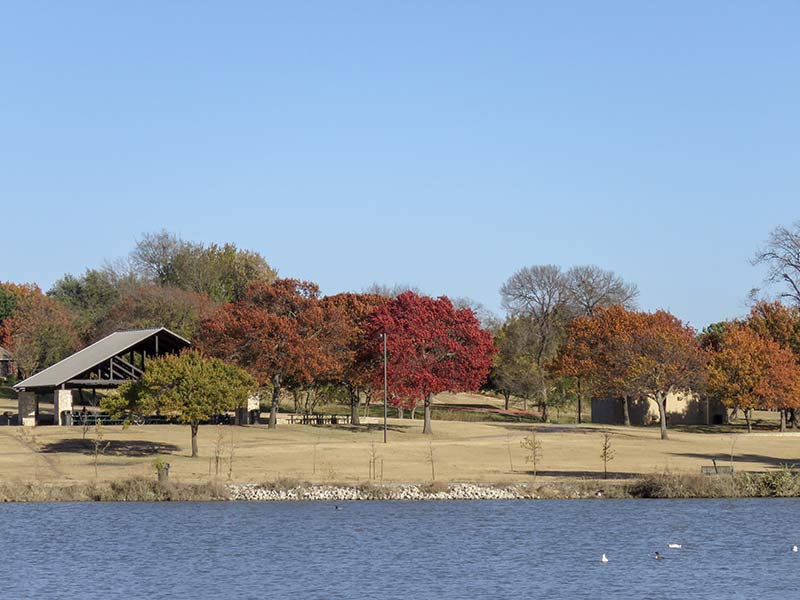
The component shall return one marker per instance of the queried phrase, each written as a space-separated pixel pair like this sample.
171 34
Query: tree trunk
525 403
354 418
400 412
545 412
195 427
747 420
366 405
792 418
626 412
783 420
661 400
276 396
506 395
580 396
544 402
426 428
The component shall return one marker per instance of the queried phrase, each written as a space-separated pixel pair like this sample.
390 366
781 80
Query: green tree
189 386
515 371
90 296
223 273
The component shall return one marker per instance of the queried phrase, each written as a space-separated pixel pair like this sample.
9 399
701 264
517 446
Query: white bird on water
794 548
678 546
604 558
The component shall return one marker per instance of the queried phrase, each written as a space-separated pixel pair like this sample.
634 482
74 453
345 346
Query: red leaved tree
347 316
278 332
432 348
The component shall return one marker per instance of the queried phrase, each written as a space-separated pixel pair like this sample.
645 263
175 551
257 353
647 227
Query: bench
716 470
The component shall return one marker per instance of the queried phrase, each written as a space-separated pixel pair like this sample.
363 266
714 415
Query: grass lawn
463 451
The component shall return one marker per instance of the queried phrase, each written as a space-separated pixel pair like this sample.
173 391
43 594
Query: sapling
607 453
534 448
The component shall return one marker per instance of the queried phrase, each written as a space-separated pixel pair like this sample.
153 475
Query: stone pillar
62 400
28 408
253 409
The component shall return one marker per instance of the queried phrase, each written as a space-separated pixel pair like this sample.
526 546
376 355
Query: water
545 549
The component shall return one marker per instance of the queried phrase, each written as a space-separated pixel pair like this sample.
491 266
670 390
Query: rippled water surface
509 549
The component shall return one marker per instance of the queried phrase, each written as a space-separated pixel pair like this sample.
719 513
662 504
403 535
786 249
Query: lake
504 549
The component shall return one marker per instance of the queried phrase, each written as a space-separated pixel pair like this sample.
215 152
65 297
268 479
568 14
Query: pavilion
108 363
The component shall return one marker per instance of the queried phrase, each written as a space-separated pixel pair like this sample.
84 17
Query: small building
683 408
8 367
108 363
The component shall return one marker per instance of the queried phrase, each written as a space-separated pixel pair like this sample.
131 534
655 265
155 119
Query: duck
604 558
658 556
337 507
794 548
678 546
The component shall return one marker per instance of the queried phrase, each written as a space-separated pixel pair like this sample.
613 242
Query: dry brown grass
464 451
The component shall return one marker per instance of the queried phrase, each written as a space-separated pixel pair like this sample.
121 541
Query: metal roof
92 356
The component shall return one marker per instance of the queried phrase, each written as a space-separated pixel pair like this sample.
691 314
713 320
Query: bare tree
541 294
589 287
607 453
489 320
781 254
155 255
390 291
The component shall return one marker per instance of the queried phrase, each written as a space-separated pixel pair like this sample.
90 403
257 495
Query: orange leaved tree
593 353
663 356
750 371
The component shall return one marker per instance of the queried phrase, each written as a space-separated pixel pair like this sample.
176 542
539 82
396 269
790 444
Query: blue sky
443 144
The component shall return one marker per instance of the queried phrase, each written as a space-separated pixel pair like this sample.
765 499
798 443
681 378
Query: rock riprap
457 491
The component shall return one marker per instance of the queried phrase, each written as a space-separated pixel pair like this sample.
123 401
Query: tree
778 322
593 354
432 348
781 255
488 319
278 332
39 333
189 386
223 273
515 371
663 356
589 287
541 294
390 291
750 371
149 305
347 316
155 256
90 297
11 294
781 324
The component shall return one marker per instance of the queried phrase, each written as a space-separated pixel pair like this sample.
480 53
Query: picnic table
319 419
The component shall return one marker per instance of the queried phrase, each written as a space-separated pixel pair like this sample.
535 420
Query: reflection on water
507 549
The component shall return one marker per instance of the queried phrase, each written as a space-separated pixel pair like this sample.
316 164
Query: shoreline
783 483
